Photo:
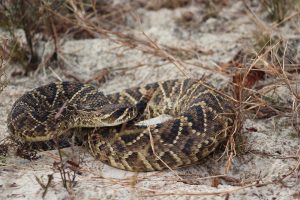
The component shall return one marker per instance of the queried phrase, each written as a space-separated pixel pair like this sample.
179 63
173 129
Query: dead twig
44 187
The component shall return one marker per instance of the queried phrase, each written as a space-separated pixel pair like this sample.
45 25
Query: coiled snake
201 118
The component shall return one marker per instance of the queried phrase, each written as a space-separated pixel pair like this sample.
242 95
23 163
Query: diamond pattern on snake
200 119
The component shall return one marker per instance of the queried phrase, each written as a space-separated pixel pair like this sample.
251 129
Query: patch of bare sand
272 141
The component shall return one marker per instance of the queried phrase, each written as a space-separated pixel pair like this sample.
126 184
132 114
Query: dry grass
159 4
4 56
278 9
28 16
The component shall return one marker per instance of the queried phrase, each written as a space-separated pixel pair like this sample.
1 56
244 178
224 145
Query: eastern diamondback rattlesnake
201 119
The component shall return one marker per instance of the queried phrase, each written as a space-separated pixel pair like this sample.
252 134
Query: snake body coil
200 119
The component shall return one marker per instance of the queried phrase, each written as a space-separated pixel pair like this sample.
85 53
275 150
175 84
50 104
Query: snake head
107 115
97 111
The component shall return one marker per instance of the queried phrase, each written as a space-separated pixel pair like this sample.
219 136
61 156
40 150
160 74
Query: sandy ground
272 141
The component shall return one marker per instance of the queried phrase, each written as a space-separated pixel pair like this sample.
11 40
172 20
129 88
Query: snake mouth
110 120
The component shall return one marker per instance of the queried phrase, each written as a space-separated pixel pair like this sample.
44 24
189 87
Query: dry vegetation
256 72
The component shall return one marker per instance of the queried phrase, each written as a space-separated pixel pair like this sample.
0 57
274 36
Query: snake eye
11 128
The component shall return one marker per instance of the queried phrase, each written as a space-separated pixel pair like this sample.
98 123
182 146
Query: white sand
224 35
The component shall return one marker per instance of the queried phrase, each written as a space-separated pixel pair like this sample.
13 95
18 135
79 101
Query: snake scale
201 118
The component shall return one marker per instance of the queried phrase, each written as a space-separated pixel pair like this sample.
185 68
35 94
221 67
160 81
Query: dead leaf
215 182
246 80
